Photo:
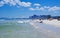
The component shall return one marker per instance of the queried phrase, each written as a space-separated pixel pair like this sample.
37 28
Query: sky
26 8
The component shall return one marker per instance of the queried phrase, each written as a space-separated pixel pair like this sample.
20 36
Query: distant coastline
33 17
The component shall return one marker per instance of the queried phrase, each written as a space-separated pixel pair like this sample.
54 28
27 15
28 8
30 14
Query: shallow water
12 29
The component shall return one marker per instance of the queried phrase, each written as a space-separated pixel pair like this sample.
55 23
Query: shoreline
53 22
46 32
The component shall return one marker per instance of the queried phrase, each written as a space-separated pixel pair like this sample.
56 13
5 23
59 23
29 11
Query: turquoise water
12 29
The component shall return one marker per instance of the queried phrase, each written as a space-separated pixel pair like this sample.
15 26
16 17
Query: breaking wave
24 21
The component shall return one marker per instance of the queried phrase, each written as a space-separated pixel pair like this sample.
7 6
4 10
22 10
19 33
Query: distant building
44 17
58 18
34 17
40 17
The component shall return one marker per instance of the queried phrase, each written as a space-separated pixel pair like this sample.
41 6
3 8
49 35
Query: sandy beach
50 32
54 22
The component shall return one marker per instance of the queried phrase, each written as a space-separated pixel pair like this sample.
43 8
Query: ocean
12 29
19 29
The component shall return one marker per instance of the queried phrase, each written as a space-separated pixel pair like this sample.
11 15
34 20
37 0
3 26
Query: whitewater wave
23 21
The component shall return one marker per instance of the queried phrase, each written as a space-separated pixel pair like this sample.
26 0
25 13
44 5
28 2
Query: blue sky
26 8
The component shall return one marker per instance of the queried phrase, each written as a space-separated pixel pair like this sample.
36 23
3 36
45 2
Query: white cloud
31 9
36 4
25 4
1 3
42 8
15 2
54 8
37 8
46 8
